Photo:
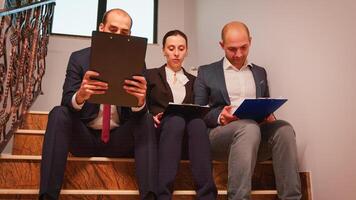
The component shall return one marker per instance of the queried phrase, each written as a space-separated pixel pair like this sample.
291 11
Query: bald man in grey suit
241 141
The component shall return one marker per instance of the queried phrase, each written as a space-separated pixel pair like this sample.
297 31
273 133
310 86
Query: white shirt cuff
137 109
74 103
219 119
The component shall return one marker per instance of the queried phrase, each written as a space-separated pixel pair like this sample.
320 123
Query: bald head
236 43
234 26
116 21
116 11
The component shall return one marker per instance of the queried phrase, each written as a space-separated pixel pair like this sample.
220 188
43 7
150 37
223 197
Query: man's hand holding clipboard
137 87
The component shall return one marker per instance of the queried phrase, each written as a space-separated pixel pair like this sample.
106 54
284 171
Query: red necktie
106 123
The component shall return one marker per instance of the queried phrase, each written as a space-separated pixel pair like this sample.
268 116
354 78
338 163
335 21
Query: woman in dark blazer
171 83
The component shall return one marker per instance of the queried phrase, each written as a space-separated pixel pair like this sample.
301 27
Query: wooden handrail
10 11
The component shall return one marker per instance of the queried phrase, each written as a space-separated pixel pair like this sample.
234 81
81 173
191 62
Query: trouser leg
58 139
237 142
170 148
278 141
200 159
145 152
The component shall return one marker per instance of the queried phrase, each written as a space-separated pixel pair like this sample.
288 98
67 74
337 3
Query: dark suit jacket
159 94
210 88
77 66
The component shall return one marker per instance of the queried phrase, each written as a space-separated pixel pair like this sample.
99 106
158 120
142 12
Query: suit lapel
220 77
163 76
188 89
258 81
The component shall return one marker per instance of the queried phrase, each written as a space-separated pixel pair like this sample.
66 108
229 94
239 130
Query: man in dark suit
242 142
77 125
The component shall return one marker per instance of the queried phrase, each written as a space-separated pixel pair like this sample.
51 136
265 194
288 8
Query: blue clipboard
258 109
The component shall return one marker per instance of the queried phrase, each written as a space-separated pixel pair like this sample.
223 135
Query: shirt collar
169 71
227 65
181 77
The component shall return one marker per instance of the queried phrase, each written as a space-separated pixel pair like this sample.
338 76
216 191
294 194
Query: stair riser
35 121
26 144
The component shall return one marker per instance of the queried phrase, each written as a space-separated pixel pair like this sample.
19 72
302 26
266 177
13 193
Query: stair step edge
91 159
119 192
38 158
38 112
30 131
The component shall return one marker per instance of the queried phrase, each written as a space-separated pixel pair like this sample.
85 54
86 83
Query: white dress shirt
240 83
177 84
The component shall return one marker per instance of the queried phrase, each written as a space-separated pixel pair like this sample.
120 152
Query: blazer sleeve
73 80
201 97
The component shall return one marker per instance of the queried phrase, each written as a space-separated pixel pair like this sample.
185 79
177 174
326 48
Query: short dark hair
118 10
174 33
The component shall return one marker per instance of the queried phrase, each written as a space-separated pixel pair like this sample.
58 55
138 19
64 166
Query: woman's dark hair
174 33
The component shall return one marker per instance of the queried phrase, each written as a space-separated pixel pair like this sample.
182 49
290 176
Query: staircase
107 178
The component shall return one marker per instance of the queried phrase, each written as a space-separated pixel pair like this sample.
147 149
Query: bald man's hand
226 116
89 87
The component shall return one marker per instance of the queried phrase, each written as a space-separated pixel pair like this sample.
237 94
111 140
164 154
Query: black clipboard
186 110
258 109
116 58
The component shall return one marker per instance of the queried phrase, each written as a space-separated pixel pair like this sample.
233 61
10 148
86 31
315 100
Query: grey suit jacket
210 88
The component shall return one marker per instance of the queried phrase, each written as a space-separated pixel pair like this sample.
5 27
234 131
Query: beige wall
308 49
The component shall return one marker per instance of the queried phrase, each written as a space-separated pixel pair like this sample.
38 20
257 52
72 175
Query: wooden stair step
109 173
122 194
31 144
22 172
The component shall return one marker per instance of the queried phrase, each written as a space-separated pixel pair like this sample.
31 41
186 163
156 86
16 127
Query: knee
173 127
61 113
196 122
143 124
60 121
247 130
284 133
197 127
59 110
174 122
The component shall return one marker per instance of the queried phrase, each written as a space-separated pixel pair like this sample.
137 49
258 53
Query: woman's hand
157 119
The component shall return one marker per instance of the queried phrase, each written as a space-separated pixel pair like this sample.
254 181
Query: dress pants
172 131
243 142
67 133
